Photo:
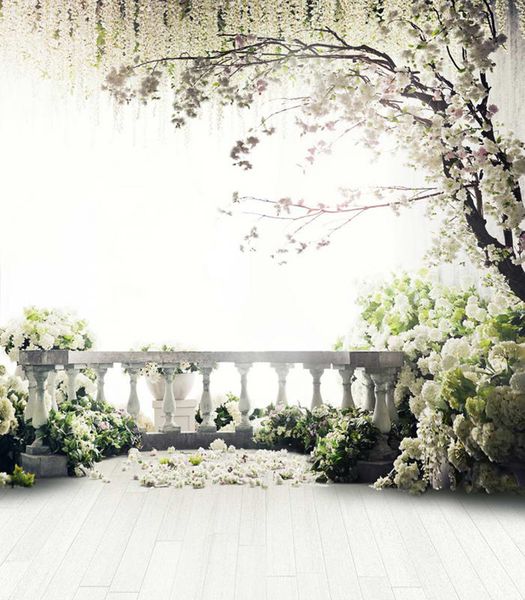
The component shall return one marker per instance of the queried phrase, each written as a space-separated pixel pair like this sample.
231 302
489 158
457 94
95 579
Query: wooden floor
76 539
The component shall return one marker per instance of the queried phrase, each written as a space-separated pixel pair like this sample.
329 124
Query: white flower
218 445
8 420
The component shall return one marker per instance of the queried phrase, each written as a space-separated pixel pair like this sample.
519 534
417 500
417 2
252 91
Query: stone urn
185 407
183 384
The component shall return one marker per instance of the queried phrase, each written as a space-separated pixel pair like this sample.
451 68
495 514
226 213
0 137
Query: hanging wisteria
80 40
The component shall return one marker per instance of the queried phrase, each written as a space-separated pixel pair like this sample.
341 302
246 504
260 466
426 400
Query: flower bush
462 381
45 329
349 439
336 438
87 430
279 427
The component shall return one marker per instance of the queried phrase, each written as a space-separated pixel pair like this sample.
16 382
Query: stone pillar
40 413
37 458
133 406
282 370
381 418
370 399
31 397
316 372
347 376
71 387
101 371
51 388
390 402
168 403
244 398
206 406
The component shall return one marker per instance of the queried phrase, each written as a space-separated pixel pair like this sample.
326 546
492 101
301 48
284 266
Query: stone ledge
44 465
188 440
369 471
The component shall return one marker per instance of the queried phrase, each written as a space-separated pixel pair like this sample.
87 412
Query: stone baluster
381 418
316 371
244 398
282 370
51 388
347 376
370 398
206 406
133 406
390 401
168 403
101 371
40 412
31 395
71 381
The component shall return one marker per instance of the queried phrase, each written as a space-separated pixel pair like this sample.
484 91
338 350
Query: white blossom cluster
45 329
220 464
13 396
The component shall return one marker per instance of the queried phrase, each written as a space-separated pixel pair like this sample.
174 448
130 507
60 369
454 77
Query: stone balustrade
379 370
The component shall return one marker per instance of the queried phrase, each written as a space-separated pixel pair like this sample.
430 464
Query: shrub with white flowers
462 381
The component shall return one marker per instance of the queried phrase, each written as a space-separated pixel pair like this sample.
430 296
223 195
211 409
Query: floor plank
279 588
280 559
134 563
487 564
338 560
250 578
160 575
498 539
456 562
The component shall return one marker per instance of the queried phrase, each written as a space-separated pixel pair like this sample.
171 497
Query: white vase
183 384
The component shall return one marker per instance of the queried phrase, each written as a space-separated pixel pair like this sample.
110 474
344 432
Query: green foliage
21 478
87 430
456 388
227 410
351 437
195 459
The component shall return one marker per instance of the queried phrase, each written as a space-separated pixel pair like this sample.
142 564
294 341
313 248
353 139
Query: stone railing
379 373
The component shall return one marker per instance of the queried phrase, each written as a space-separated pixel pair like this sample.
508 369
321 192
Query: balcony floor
77 539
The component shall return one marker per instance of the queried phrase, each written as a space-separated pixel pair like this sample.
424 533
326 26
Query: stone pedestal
44 465
184 414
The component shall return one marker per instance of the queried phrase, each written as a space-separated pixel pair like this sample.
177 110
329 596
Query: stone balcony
379 371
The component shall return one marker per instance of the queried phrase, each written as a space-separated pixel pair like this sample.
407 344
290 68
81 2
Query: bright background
114 214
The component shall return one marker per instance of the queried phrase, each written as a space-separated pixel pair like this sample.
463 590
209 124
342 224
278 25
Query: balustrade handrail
379 368
358 359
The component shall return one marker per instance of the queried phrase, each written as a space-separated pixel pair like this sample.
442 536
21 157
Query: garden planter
183 384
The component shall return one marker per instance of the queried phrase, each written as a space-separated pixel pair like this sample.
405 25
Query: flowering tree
432 92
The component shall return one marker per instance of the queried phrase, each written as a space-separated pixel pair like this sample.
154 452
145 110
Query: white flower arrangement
45 329
154 372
